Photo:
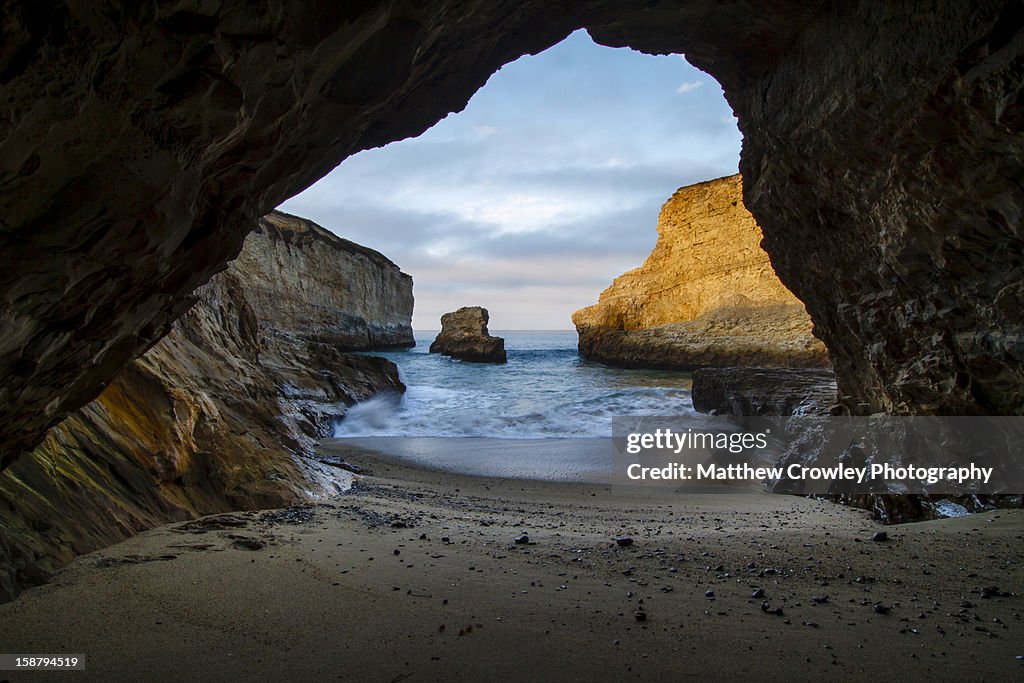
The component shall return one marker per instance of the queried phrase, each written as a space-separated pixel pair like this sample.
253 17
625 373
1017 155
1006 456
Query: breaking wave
545 391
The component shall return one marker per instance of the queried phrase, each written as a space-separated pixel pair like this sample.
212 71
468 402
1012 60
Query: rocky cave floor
418 575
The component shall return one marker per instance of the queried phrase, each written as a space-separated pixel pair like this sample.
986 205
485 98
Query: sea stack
464 336
706 296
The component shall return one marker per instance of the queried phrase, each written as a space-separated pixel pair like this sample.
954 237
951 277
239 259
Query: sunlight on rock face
705 296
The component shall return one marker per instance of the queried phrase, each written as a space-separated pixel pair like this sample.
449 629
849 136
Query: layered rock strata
706 296
326 288
464 336
223 412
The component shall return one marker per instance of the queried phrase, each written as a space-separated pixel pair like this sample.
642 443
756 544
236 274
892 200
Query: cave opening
856 123
883 156
544 188
561 173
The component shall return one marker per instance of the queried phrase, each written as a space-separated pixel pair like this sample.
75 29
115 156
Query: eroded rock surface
748 391
464 336
223 412
706 296
325 288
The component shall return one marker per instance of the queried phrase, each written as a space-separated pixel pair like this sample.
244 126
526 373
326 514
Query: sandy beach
416 575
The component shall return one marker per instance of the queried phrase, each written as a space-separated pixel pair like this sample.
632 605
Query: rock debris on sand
794 596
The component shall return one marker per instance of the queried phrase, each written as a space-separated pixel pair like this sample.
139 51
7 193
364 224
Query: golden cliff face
707 295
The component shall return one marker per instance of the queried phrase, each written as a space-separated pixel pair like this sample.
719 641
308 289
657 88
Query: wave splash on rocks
545 391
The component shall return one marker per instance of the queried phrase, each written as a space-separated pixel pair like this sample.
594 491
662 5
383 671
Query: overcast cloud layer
543 190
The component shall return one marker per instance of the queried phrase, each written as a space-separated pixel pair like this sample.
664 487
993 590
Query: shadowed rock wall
220 415
140 142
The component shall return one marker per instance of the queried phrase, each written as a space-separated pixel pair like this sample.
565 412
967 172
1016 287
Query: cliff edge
706 296
324 287
222 413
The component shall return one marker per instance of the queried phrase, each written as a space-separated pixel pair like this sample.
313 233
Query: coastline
581 460
360 587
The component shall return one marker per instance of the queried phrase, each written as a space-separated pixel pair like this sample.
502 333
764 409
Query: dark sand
365 588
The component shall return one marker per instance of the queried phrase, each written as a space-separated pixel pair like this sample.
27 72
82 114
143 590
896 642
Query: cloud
484 132
546 187
413 239
540 276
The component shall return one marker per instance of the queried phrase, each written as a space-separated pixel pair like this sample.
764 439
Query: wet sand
416 575
582 460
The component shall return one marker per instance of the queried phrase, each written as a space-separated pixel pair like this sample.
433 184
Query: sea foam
545 391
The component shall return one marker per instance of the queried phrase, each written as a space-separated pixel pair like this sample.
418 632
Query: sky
544 189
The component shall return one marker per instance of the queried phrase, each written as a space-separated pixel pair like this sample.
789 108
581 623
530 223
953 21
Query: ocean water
546 391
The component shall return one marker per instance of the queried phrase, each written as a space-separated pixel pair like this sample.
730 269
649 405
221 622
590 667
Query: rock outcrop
787 392
464 336
751 391
706 296
334 291
223 412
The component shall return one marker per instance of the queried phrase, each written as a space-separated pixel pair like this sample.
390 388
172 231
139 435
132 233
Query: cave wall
140 142
905 199
221 414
